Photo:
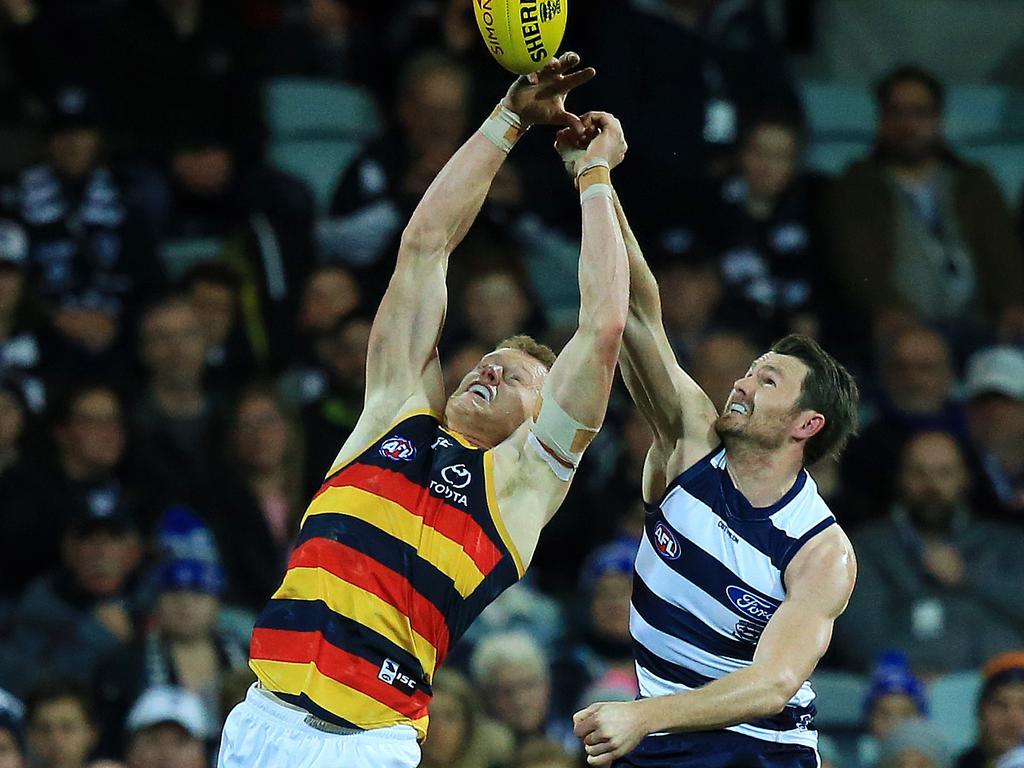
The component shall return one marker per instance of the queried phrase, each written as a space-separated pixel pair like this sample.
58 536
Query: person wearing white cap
165 729
995 390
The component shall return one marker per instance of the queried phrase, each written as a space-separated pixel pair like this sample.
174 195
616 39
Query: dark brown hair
530 346
829 389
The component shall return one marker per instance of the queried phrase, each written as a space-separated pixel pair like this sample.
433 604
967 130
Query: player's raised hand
609 141
539 98
609 730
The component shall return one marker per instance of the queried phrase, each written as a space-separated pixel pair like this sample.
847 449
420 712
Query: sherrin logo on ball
521 34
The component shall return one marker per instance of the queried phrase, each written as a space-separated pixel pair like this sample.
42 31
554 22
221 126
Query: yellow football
521 34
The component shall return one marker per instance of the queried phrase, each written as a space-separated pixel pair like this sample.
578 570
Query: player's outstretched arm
580 379
402 358
680 413
820 581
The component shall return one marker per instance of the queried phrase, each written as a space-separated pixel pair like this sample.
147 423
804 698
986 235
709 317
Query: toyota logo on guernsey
398 449
750 605
665 542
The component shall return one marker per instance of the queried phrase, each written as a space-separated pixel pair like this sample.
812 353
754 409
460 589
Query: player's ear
809 424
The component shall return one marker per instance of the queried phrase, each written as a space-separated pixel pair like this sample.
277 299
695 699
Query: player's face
498 395
762 407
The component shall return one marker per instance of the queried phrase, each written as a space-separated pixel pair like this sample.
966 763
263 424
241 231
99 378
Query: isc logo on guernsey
666 542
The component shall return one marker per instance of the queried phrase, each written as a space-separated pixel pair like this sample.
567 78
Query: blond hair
523 343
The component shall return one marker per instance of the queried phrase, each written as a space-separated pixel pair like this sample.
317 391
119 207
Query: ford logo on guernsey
398 449
751 605
666 542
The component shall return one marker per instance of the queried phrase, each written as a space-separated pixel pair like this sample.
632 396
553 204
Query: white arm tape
503 128
558 437
595 190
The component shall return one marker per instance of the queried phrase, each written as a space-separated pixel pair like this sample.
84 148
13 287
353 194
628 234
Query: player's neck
469 435
763 477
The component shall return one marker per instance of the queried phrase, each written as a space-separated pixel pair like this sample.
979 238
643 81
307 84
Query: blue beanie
614 557
192 576
892 675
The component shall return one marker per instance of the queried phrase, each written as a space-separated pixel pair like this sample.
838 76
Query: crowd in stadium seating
189 264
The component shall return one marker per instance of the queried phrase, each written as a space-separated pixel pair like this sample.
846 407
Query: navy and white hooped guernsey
709 576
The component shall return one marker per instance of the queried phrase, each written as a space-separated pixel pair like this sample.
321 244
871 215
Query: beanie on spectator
614 557
200 576
892 675
999 671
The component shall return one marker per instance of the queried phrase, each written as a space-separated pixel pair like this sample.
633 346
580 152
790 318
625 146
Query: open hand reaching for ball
539 98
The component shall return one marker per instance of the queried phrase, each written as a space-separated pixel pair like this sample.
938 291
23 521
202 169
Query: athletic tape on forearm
504 128
559 438
595 180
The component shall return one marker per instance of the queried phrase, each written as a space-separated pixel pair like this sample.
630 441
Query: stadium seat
975 112
840 700
832 157
952 699
318 162
300 108
838 111
1005 162
177 256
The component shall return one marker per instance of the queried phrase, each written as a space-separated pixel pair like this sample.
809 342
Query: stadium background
199 208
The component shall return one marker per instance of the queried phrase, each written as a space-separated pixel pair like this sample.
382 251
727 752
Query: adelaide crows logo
398 449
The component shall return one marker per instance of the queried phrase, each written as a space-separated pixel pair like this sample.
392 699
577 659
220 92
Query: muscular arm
680 413
402 355
820 580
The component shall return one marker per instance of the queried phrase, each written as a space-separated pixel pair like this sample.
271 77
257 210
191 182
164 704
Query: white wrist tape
558 438
596 190
504 128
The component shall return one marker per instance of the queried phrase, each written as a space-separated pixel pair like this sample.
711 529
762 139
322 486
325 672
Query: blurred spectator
328 422
175 421
259 496
543 753
725 66
90 256
512 675
183 648
933 579
165 729
917 381
995 412
382 185
61 725
461 358
20 352
600 653
461 736
27 545
496 304
215 291
895 697
523 608
719 361
12 740
918 232
69 620
915 744
324 38
759 225
691 295
331 294
91 468
1000 711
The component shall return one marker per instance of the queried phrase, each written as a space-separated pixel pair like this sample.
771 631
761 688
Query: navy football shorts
717 749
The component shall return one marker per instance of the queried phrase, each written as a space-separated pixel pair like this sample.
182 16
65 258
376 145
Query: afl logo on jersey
665 542
398 449
751 605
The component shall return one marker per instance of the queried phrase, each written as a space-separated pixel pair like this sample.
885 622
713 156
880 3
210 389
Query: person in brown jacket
916 234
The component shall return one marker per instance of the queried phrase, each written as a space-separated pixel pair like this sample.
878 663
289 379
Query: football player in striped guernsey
434 506
742 570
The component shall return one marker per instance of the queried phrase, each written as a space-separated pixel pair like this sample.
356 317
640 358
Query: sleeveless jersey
398 552
709 576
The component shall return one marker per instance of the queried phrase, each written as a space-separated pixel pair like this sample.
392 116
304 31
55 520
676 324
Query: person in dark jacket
1000 711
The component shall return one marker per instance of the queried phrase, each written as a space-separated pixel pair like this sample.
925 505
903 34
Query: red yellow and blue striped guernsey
399 551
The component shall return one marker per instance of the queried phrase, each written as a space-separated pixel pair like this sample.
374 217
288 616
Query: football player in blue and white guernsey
742 569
